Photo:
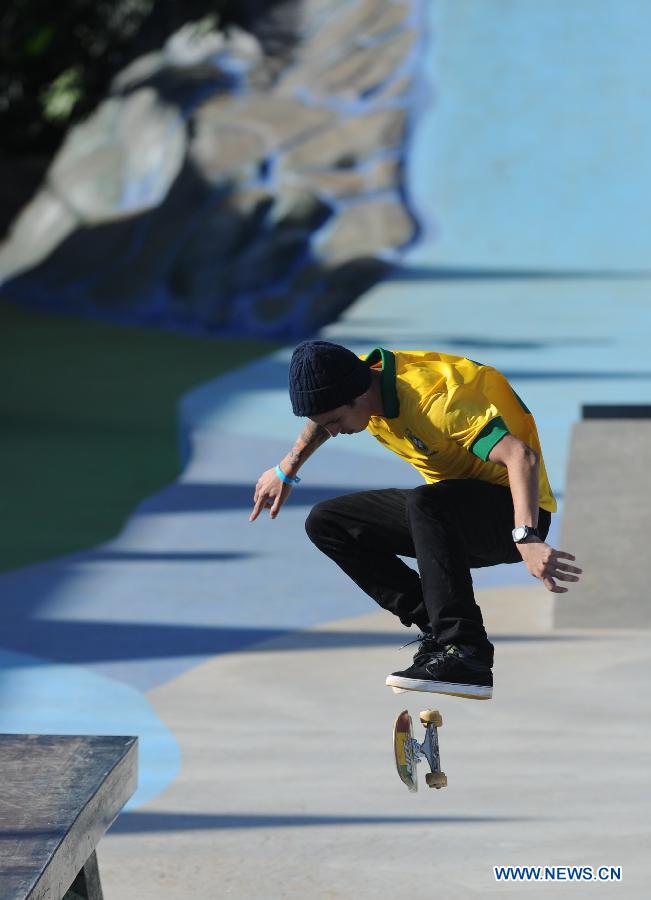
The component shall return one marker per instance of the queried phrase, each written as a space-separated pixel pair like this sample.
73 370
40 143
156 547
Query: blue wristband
285 478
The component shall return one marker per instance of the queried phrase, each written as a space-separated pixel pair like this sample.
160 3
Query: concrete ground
288 786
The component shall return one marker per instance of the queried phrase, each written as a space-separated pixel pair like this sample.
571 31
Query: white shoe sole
472 691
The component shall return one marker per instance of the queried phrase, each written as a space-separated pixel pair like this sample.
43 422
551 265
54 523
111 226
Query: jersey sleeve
467 417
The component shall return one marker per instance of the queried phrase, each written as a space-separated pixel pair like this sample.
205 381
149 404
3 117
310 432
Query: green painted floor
90 424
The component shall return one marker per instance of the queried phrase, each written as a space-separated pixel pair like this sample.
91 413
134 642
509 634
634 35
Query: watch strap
529 530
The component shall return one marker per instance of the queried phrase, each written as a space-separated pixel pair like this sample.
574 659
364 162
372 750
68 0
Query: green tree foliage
58 59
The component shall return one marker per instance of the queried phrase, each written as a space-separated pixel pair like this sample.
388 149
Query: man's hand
270 493
546 563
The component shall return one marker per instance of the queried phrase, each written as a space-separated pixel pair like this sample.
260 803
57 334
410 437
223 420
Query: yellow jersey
444 414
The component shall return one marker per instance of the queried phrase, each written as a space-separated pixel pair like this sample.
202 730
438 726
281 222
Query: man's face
347 419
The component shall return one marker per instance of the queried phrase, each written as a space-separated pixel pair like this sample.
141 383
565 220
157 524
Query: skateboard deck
408 752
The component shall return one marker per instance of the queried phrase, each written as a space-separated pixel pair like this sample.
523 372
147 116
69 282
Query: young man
487 498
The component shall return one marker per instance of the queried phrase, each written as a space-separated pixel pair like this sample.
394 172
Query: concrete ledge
605 525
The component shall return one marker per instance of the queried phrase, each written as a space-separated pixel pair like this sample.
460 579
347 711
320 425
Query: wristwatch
522 532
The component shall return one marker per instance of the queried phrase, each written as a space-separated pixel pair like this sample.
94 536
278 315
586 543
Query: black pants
449 527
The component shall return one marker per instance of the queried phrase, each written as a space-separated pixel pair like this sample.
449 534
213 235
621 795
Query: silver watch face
519 533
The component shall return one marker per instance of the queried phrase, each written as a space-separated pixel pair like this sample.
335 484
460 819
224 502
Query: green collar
388 383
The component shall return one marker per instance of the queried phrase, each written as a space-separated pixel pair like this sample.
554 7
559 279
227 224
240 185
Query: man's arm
522 465
542 560
270 491
309 440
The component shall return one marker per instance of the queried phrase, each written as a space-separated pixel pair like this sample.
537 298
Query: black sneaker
427 646
450 671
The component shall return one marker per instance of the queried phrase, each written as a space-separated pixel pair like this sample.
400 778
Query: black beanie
323 376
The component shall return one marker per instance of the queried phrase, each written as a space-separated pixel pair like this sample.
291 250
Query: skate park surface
253 671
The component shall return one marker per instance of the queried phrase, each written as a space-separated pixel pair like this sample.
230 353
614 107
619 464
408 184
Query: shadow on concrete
174 556
79 643
544 344
476 273
465 344
211 497
138 823
575 375
76 642
332 640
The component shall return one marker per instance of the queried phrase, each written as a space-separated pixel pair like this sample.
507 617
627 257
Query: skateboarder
486 500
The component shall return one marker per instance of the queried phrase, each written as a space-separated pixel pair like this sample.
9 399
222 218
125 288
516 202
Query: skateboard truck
408 752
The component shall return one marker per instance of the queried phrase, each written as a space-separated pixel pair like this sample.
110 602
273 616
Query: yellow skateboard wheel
436 780
431 717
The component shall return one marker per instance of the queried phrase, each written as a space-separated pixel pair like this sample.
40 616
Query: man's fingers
268 498
565 577
562 570
555 589
260 503
551 585
280 499
563 567
265 502
256 511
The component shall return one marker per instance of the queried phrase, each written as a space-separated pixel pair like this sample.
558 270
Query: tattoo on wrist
308 441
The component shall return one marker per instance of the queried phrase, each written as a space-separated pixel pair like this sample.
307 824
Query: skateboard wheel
436 780
431 717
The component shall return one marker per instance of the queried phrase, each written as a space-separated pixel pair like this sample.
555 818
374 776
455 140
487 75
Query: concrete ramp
607 519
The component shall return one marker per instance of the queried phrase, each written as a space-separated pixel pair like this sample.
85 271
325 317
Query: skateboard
408 752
